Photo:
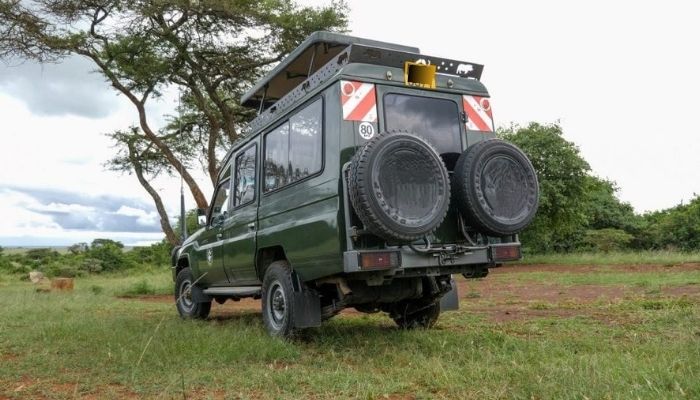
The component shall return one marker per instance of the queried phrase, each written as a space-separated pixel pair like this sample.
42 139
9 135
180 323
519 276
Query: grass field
660 257
524 332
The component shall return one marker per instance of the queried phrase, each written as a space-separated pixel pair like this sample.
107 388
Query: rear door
436 117
240 243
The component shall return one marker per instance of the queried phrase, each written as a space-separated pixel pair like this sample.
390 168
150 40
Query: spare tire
399 186
496 187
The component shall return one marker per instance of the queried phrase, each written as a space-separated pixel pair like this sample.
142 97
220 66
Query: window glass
277 158
436 120
220 203
244 184
294 151
305 142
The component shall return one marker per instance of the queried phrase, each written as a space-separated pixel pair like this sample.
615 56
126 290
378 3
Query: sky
620 77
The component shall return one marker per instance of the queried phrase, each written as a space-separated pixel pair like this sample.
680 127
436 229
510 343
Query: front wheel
277 300
186 306
416 314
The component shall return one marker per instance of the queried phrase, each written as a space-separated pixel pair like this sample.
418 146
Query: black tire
186 307
399 186
496 187
416 314
278 300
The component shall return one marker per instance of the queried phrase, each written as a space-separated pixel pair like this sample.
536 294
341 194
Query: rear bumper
447 259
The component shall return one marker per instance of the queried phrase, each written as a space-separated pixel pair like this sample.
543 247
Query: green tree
673 228
157 254
110 254
604 210
562 175
211 50
191 218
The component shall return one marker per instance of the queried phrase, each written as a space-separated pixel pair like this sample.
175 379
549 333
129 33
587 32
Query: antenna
183 222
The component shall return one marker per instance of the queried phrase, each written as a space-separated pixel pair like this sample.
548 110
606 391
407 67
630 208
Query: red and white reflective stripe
359 101
479 116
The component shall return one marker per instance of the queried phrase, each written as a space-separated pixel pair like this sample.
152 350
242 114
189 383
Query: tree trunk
164 220
150 135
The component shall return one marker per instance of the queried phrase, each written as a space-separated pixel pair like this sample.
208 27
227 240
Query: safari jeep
370 176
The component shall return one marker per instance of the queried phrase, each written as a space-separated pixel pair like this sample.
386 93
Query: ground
525 331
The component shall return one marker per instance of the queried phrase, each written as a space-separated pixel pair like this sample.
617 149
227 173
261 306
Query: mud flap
307 309
307 305
450 300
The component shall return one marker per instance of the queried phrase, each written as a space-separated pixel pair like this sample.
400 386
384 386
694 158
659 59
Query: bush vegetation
580 212
102 255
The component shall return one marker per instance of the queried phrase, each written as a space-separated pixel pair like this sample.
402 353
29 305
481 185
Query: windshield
436 120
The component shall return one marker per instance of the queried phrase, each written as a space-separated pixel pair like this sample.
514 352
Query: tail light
506 252
379 259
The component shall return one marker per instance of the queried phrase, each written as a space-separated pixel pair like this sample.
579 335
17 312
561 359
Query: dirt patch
498 291
502 301
505 313
27 387
583 269
679 291
8 357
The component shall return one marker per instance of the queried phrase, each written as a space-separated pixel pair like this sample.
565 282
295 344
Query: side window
221 200
244 184
305 141
277 158
294 150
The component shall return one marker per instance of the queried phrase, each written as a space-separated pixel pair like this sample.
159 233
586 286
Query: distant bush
102 255
36 258
5 264
607 239
676 228
62 269
141 287
157 254
110 254
96 289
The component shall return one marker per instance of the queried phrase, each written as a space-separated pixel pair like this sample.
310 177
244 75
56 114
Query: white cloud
66 88
143 217
16 215
62 208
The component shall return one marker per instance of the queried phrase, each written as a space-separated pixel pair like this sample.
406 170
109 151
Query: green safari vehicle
370 176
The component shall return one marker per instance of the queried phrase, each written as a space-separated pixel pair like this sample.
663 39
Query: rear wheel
186 306
416 314
277 300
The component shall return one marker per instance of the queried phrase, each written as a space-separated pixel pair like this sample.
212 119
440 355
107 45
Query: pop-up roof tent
312 54
312 63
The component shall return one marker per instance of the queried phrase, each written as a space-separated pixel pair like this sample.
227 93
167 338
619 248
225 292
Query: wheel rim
185 296
276 305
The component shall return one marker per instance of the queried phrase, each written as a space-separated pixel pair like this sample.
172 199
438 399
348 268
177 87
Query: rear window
436 120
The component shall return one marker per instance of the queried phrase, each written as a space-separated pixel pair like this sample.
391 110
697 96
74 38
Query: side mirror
218 220
202 217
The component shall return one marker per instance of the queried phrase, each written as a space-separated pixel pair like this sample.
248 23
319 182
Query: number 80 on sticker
366 130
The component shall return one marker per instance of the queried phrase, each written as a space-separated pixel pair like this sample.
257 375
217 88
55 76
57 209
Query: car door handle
251 226
219 235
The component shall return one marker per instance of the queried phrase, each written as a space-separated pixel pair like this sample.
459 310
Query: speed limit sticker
366 130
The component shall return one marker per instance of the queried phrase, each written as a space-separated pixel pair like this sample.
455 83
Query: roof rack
310 56
359 53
